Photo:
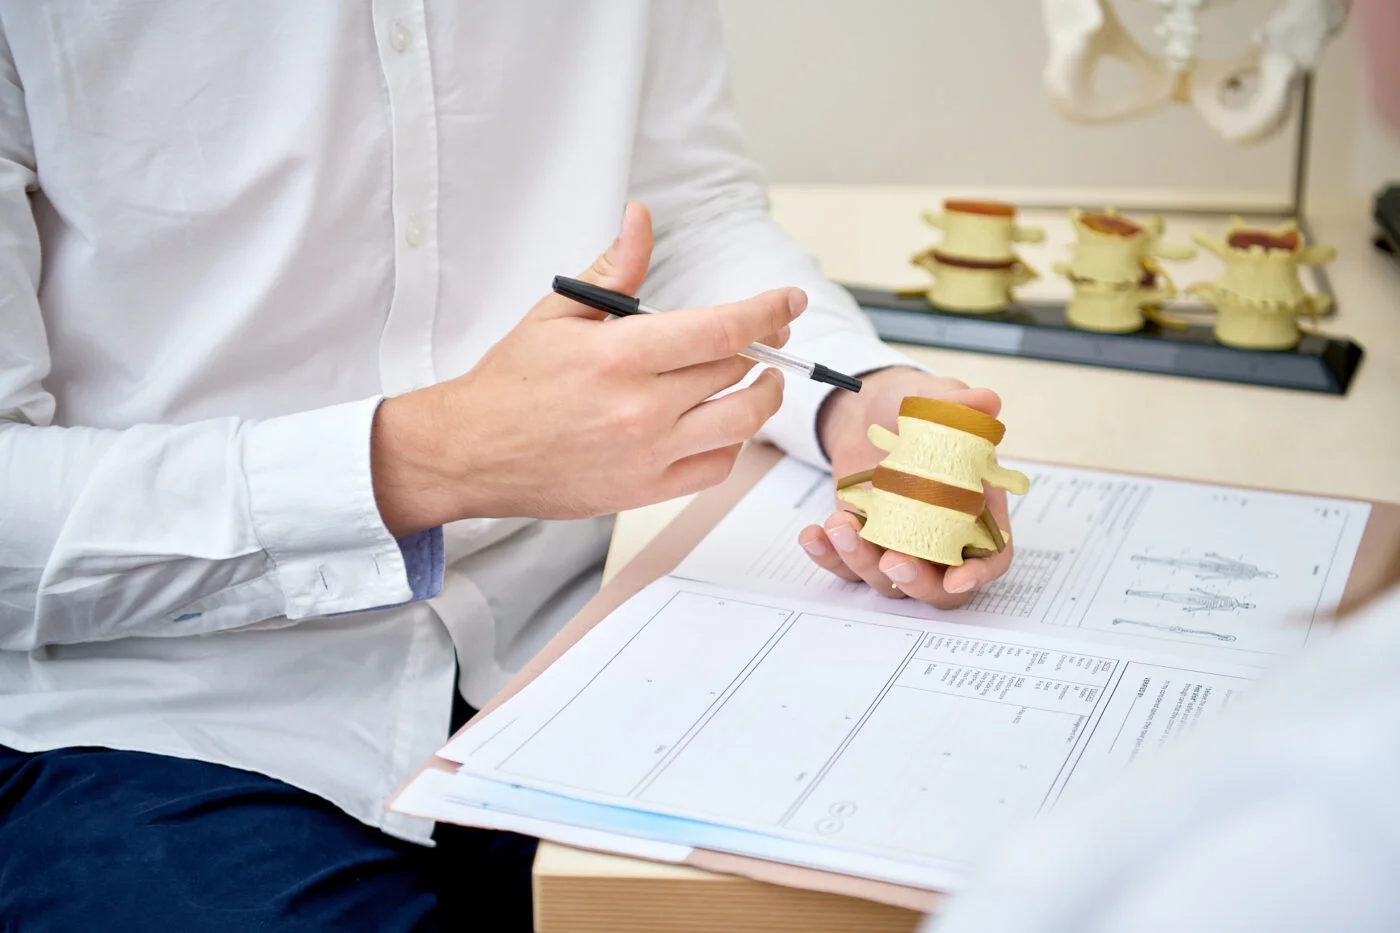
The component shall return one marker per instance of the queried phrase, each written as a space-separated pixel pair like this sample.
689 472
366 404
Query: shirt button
414 234
398 37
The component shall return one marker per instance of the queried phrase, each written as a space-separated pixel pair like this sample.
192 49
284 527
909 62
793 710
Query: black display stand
1038 330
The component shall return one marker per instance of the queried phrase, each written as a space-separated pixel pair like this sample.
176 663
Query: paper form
1197 569
446 796
879 745
625 831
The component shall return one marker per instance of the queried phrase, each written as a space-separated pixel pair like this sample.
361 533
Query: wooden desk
1345 446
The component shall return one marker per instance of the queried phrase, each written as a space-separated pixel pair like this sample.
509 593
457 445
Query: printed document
1192 568
885 741
749 703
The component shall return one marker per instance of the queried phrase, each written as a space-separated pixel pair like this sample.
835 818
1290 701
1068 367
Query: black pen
621 305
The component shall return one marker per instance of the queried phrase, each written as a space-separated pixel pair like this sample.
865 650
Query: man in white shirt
292 450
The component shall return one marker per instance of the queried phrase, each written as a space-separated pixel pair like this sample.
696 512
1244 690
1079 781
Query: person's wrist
413 471
844 417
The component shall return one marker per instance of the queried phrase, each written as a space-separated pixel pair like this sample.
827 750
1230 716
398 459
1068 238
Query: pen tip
831 377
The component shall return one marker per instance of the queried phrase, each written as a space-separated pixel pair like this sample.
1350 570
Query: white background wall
948 92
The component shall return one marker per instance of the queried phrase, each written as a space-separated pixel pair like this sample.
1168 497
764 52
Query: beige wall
1377 157
947 92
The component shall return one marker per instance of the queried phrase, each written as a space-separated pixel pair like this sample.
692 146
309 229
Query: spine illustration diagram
1197 600
1211 567
1178 629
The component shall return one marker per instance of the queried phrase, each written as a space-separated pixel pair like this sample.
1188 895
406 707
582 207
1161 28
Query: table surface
1338 445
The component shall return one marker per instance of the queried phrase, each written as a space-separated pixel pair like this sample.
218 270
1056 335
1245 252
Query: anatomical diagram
1197 600
1178 629
1211 567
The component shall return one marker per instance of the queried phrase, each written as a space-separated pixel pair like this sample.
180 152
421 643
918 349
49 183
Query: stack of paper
749 704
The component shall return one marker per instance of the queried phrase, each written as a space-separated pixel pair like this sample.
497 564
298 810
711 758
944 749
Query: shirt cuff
794 427
311 495
423 559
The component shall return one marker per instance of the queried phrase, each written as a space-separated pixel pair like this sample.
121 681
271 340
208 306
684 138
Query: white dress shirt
1280 815
227 231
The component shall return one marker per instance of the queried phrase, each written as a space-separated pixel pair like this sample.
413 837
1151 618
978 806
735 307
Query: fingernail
902 572
797 301
961 585
843 536
814 547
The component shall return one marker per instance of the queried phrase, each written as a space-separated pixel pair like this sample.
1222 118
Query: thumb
621 269
983 400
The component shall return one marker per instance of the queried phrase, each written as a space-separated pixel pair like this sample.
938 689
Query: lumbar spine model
926 499
1260 297
975 268
1114 270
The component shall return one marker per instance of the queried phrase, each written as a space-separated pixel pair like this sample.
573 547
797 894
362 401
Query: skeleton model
1210 567
1288 44
1261 297
1197 600
1114 271
927 497
1178 629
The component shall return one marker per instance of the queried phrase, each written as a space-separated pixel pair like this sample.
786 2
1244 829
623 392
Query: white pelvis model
1287 44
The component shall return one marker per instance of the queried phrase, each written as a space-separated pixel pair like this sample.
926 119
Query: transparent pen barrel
764 354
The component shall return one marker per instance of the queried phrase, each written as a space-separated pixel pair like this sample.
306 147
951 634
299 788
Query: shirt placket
405 347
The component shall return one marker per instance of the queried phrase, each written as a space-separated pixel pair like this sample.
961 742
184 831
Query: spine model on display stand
1114 272
975 268
1111 314
1260 297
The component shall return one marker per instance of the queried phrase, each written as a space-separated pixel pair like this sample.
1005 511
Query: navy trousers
96 839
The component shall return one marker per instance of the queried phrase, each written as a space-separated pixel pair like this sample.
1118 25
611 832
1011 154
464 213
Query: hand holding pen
570 416
620 305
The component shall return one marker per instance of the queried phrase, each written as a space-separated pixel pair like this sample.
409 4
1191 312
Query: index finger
979 571
675 339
